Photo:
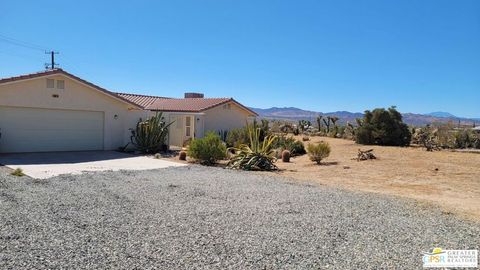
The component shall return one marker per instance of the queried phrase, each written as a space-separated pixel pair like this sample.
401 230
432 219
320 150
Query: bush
383 127
465 139
319 151
18 172
236 137
150 135
207 150
295 147
257 155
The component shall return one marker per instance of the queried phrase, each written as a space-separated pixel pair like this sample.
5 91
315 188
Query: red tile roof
154 103
61 71
187 104
141 100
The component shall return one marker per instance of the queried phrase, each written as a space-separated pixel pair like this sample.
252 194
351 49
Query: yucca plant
257 155
150 135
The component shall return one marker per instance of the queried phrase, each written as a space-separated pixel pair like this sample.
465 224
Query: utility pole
52 64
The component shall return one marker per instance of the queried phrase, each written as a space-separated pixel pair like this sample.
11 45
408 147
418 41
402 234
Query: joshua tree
334 120
304 123
327 123
319 122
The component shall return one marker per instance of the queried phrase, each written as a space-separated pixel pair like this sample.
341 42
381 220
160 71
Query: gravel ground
210 218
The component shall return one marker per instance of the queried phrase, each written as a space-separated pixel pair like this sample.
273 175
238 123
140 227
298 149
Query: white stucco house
54 110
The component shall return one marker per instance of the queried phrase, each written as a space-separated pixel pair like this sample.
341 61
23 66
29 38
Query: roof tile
141 100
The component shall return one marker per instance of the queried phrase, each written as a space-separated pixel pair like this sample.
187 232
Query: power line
21 43
32 46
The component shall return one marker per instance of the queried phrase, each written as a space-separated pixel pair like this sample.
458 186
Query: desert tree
327 123
319 123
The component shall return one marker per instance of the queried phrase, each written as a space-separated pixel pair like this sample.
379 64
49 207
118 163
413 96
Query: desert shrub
286 127
319 151
239 136
207 150
150 135
435 137
257 155
349 132
465 139
223 134
383 127
295 147
236 137
18 172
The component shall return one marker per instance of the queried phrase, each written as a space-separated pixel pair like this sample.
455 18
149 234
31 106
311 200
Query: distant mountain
295 114
442 114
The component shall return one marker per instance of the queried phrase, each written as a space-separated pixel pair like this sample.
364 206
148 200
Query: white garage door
43 130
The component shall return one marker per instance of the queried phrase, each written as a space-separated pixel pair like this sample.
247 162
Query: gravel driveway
209 218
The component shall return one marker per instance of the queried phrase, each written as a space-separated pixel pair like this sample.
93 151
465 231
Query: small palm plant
257 155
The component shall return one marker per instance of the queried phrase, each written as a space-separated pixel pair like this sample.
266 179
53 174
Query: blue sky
325 56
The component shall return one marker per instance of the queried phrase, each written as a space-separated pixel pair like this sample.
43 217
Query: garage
43 130
55 111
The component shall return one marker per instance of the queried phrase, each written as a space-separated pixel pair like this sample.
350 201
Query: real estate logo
450 258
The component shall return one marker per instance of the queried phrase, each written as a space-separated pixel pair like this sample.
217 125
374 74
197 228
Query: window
50 83
226 106
188 124
60 84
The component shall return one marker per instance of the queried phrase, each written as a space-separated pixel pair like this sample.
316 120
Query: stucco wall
76 96
221 118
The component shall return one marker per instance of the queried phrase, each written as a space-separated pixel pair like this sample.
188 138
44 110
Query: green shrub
295 147
383 127
257 155
150 135
18 172
207 150
236 137
465 139
319 151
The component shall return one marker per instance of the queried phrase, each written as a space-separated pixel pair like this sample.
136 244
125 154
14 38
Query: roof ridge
71 76
140 95
204 98
31 74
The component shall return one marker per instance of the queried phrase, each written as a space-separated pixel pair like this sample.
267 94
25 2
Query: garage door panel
40 130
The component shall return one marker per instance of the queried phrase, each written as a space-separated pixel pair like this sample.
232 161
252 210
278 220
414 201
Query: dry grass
450 180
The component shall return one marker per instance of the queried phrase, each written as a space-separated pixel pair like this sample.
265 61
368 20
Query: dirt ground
450 180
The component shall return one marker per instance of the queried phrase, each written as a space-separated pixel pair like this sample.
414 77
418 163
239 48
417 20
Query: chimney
193 95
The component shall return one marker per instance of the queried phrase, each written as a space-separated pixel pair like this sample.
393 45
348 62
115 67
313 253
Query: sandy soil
449 180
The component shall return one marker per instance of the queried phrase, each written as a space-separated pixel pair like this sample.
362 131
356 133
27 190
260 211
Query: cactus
286 156
183 155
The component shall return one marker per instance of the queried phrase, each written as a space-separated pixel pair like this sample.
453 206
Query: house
194 114
54 110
